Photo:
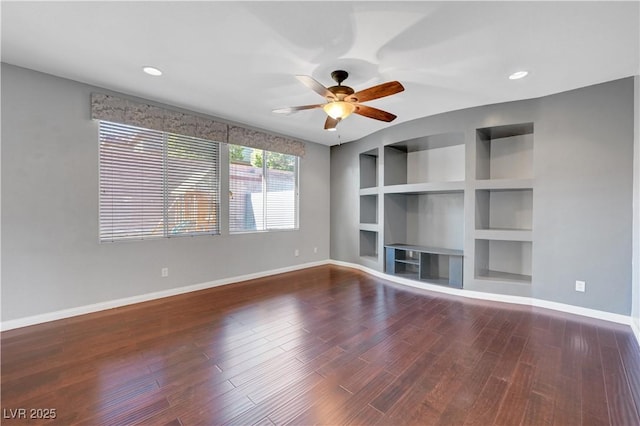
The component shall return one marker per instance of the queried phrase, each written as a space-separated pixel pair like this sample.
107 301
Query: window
263 189
155 184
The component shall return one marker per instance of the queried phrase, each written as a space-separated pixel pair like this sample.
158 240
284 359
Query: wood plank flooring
326 345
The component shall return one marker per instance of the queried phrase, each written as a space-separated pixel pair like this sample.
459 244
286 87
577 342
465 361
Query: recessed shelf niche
368 209
369 169
505 152
434 158
503 261
425 219
368 243
504 209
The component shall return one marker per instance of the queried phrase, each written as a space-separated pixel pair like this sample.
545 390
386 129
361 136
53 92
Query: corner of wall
635 276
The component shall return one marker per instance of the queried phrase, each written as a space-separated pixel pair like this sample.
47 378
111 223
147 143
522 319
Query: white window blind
155 184
263 189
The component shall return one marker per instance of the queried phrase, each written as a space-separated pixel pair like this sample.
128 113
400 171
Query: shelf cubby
368 209
504 152
504 209
508 261
425 219
428 159
406 263
368 243
369 169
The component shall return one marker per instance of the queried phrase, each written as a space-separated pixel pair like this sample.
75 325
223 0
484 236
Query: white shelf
504 234
371 227
504 184
433 250
425 188
369 191
503 276
408 261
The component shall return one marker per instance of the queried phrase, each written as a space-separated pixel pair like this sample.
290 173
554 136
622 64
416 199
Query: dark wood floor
325 345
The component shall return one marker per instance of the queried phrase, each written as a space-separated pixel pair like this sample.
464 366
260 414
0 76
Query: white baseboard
518 300
81 310
635 327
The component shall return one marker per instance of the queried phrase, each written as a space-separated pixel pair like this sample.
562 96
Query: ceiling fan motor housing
339 76
340 91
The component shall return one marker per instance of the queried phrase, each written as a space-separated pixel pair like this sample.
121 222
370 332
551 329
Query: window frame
166 205
296 189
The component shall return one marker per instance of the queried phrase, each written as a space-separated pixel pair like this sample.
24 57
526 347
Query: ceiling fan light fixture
339 109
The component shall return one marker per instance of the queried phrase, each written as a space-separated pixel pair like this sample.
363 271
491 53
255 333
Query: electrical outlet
296 252
581 286
315 249
164 272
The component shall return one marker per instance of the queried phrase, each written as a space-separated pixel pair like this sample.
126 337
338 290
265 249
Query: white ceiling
237 60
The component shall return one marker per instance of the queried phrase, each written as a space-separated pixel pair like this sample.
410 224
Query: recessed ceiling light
518 75
152 71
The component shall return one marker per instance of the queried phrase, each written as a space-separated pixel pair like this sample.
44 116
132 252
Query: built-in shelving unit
424 181
369 204
424 188
504 204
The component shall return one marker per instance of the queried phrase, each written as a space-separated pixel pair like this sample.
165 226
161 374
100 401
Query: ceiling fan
343 100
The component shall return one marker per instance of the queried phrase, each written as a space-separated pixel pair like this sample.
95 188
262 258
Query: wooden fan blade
331 123
375 92
315 86
289 110
374 113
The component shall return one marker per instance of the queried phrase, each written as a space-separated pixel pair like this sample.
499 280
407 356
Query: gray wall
582 197
51 258
583 166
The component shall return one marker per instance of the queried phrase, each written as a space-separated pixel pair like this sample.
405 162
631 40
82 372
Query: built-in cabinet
433 264
425 182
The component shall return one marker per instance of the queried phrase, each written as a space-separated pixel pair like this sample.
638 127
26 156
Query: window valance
260 140
124 111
